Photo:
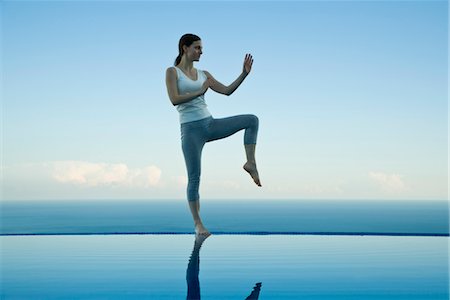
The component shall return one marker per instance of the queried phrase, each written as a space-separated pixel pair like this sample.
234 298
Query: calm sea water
92 251
224 267
285 216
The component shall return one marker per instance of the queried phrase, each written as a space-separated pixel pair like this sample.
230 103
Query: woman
186 87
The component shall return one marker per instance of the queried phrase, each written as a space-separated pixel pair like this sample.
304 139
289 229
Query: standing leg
224 127
199 227
192 144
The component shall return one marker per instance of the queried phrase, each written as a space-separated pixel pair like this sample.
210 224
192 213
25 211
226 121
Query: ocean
226 216
280 249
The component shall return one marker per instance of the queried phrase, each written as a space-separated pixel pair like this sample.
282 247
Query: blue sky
351 98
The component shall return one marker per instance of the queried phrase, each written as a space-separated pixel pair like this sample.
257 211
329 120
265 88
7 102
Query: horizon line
228 199
237 233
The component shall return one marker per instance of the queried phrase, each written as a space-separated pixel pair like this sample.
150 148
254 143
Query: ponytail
178 59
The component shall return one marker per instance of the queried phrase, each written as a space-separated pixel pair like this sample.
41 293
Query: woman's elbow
173 100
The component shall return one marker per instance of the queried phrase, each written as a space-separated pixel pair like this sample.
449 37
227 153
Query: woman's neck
185 64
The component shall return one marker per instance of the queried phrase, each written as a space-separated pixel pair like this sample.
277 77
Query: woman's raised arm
228 90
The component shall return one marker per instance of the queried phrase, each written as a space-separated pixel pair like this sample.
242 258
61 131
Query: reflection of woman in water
186 87
193 269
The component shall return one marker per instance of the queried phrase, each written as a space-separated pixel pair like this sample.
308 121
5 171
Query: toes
254 174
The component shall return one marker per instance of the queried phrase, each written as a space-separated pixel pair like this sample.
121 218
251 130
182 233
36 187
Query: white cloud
388 182
89 174
97 174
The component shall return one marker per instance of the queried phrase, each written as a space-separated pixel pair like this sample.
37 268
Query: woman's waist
199 121
196 102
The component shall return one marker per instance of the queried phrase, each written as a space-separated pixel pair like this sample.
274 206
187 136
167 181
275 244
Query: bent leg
224 127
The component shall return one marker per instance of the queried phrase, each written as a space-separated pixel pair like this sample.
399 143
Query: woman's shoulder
172 70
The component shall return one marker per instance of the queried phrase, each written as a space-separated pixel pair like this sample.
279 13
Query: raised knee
255 120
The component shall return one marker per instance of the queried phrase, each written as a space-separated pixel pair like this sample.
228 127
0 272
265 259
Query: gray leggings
195 134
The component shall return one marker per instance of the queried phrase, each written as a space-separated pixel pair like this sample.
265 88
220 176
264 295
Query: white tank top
196 108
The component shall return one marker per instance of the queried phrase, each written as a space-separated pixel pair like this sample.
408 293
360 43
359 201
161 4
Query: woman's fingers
248 61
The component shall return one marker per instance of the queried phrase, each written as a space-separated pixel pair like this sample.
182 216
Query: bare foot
201 230
251 169
200 238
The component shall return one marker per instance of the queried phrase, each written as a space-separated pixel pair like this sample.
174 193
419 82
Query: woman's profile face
194 51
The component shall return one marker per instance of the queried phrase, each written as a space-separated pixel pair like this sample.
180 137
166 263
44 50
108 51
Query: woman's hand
248 61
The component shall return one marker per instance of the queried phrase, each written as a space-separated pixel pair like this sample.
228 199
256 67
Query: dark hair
186 40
